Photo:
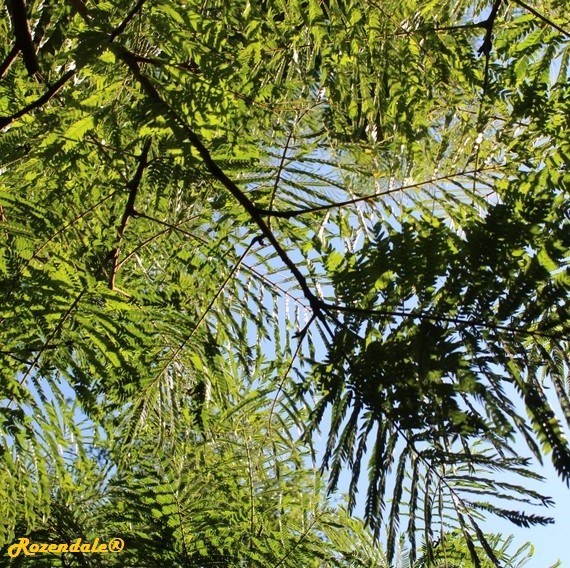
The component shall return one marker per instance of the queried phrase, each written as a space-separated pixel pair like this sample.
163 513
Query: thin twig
69 224
129 212
46 97
122 26
50 337
141 245
437 318
300 335
9 59
281 166
542 17
201 319
339 204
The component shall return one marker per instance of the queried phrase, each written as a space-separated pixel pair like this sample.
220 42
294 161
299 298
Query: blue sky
551 542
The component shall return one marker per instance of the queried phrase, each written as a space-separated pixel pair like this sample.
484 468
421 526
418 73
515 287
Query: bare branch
220 175
46 97
414 314
19 16
122 26
129 212
542 17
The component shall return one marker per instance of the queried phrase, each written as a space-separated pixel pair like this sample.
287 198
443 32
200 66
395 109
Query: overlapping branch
213 168
39 102
130 211
21 28
363 198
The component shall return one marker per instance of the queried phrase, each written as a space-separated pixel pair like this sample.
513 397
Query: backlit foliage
355 213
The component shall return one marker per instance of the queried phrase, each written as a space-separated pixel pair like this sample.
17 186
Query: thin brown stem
436 318
129 212
123 25
542 17
46 97
8 60
339 204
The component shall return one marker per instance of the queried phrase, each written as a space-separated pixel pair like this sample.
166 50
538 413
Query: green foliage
357 208
452 550
236 494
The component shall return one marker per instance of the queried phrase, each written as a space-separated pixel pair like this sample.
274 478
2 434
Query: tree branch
428 317
50 338
542 17
80 7
168 227
19 16
488 24
46 97
133 187
9 59
122 26
298 212
219 174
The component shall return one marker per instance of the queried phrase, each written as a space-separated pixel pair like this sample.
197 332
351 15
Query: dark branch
542 17
487 44
218 173
281 167
472 322
481 24
69 224
488 24
80 7
190 65
133 187
122 26
46 97
50 338
6 64
21 28
169 226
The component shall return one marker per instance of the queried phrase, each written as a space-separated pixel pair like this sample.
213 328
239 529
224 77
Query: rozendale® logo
31 549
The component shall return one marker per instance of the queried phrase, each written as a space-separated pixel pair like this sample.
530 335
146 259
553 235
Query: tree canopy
228 226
